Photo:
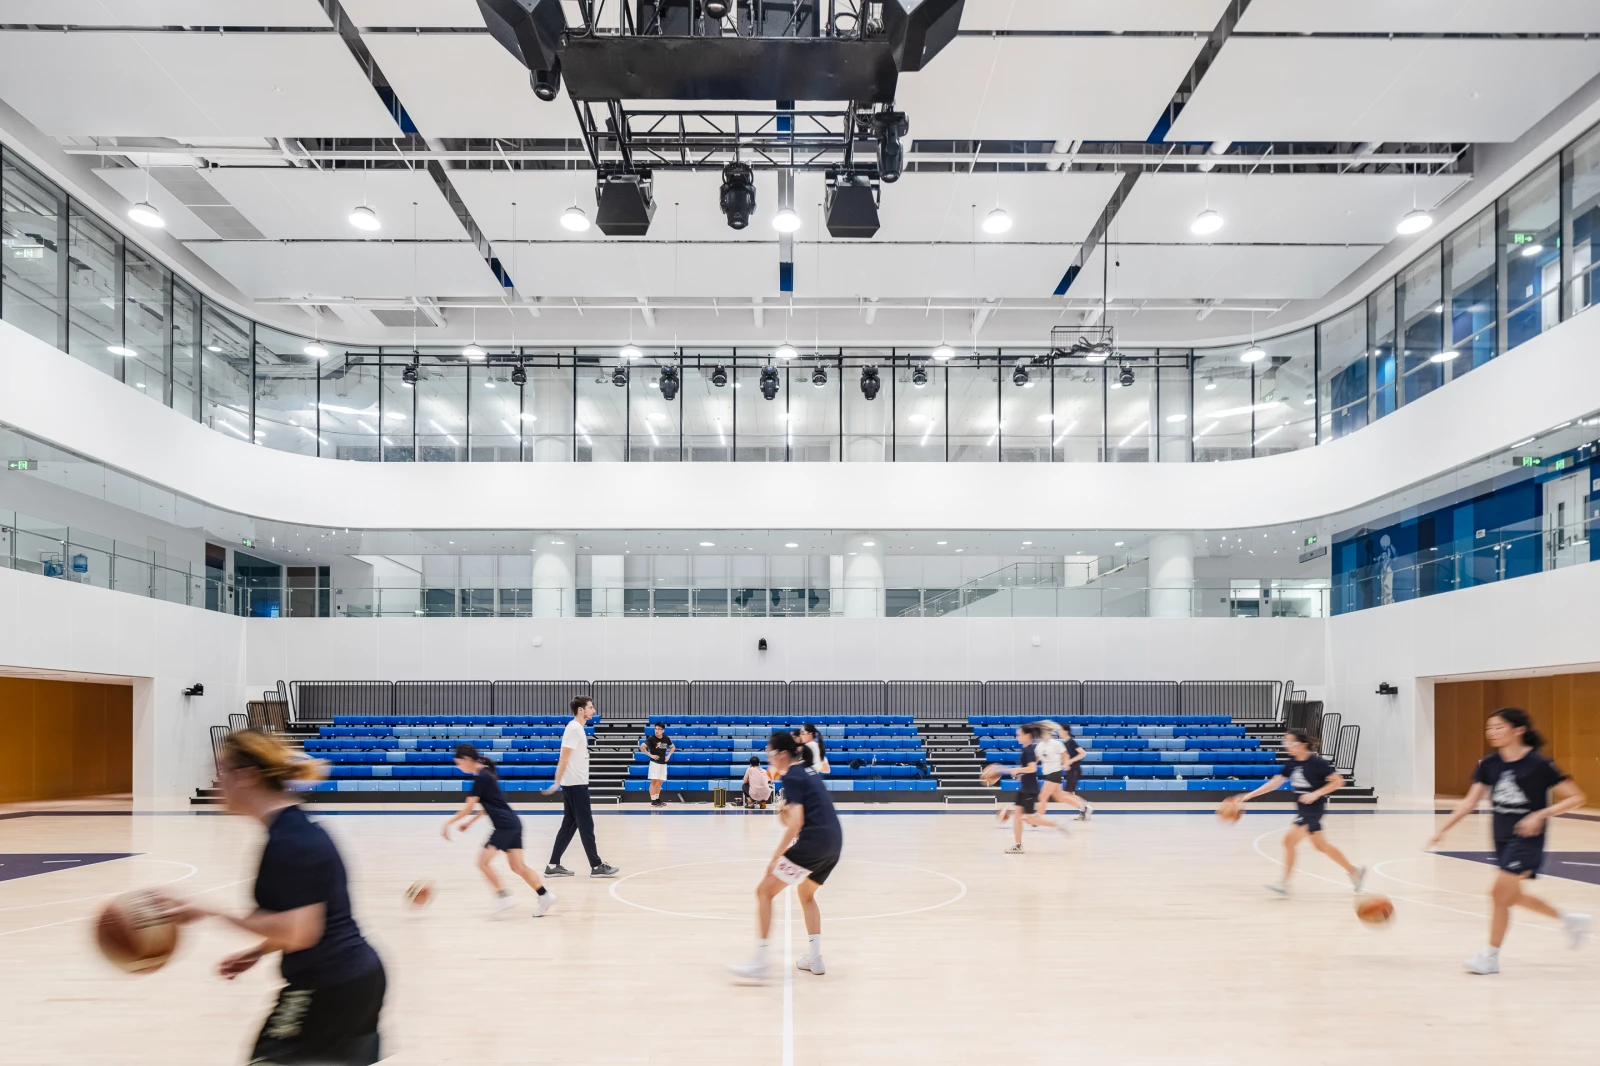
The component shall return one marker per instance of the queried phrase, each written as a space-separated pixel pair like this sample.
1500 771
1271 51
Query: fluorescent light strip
1064 432
1142 429
1268 433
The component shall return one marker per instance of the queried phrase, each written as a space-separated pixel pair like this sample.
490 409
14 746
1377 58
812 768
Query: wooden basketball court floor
1143 937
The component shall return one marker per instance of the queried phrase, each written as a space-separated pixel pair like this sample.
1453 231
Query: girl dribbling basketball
507 834
1059 756
1027 774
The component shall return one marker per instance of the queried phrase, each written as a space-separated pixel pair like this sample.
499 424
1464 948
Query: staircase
212 796
1271 737
610 755
955 762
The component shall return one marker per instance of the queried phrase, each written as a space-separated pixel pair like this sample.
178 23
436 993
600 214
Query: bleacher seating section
413 753
866 752
1145 752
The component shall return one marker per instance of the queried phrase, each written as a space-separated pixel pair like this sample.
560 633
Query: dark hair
754 761
784 741
1033 730
1300 735
580 701
822 747
467 751
1517 718
658 725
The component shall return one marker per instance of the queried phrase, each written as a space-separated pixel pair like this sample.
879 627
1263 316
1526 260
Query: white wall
159 648
1551 379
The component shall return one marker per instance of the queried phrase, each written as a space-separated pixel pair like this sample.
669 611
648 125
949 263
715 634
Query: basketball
134 934
420 894
1230 812
1374 910
990 774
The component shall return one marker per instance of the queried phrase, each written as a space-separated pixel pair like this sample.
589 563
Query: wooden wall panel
60 739
1565 708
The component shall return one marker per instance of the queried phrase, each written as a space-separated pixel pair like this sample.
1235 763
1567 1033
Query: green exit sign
1526 460
248 543
22 464
1310 541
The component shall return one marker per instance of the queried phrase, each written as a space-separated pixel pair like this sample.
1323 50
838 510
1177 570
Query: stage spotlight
1019 375
719 376
738 193
870 383
819 376
519 376
852 206
717 9
669 383
919 377
769 383
619 376
408 376
547 83
626 203
1125 376
890 127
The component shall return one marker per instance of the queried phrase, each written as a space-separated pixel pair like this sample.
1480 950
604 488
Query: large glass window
1131 415
1223 407
814 386
495 412
1175 422
145 326
1421 327
1381 337
1530 219
225 361
1078 429
1285 396
653 420
974 418
31 210
868 424
399 402
919 384
602 411
94 276
442 409
1470 281
185 350
286 392
763 424
1581 187
349 408
1345 372
547 409
708 407
1026 412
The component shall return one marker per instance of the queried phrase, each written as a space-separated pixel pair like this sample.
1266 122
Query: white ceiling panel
301 13
301 203
355 269
1200 15
1288 89
1046 88
189 84
466 85
930 270
414 12
1200 272
638 268
1421 16
134 187
1276 208
1044 207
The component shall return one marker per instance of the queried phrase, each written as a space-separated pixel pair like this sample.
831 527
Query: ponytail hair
1517 718
467 751
816 735
269 758
784 741
1056 728
1034 731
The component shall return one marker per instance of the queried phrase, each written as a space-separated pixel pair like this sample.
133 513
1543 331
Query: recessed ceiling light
961 549
146 214
472 351
1177 417
1438 309
365 218
1118 544
1253 354
315 350
1442 357
212 348
791 544
574 220
1206 222
707 544
558 542
869 544
1027 543
997 222
1531 250
1047 418
941 542
1415 221
786 221
117 349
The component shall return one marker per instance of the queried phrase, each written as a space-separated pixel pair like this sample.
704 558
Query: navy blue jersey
1028 782
300 867
821 833
486 786
1308 775
1517 789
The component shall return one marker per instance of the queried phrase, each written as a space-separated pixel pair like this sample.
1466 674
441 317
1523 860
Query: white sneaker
1015 849
751 971
1577 928
1087 812
1484 963
812 964
1280 888
502 906
1359 878
546 901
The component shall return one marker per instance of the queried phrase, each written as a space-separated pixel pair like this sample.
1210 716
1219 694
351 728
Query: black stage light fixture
619 376
1125 376
669 383
769 383
891 127
852 206
717 9
738 194
531 30
519 376
819 376
719 376
870 384
1019 375
408 376
626 202
919 377
547 83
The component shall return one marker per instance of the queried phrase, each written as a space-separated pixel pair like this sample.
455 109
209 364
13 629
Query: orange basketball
990 774
420 894
1374 910
1230 812
134 933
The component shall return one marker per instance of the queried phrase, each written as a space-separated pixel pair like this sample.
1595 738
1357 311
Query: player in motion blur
1313 779
1519 782
487 798
327 1011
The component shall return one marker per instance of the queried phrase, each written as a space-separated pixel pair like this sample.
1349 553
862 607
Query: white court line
105 895
788 978
84 917
961 892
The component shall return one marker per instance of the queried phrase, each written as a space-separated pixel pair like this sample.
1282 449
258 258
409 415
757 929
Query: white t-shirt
816 755
1050 753
575 738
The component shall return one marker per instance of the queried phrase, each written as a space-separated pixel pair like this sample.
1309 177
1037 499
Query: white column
606 581
551 407
555 575
863 576
1172 576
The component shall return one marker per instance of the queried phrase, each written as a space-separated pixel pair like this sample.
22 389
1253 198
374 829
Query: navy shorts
1520 855
330 1026
1028 801
819 863
1309 816
507 839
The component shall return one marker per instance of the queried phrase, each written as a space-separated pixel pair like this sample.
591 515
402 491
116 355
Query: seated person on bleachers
757 785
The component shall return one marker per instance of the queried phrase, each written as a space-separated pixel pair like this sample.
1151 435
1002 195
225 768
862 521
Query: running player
807 853
1027 774
659 747
1313 779
1519 781
1059 756
811 738
328 1008
486 798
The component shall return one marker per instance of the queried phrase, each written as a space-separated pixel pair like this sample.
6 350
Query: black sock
540 890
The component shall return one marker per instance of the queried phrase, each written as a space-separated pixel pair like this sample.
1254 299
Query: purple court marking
1572 865
26 865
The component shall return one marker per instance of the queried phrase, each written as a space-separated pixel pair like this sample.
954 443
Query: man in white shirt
572 777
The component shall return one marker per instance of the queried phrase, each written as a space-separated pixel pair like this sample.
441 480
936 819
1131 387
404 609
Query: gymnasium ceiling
149 89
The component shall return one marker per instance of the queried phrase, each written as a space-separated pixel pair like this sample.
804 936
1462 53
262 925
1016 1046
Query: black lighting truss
708 139
1090 344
